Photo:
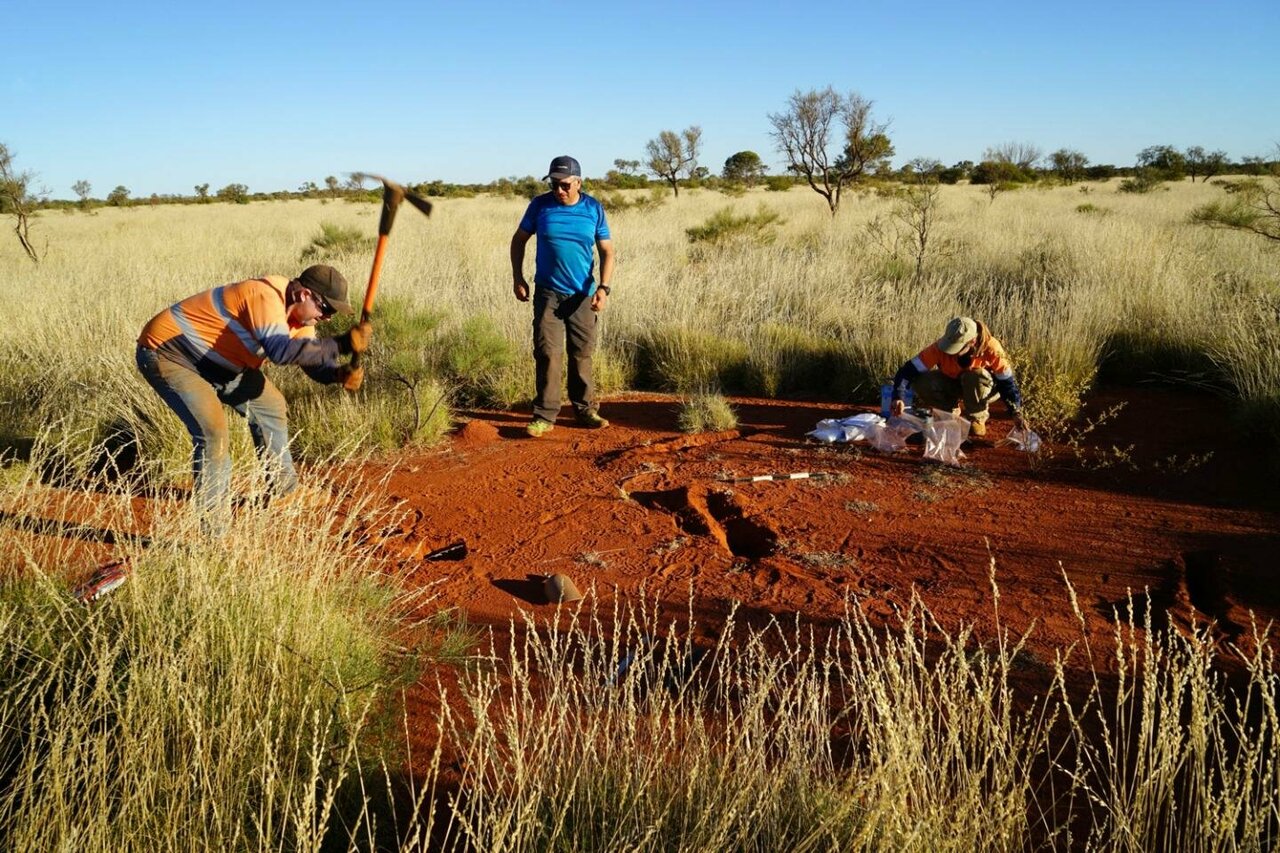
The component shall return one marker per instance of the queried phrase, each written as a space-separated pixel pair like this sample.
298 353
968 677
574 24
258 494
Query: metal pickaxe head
392 195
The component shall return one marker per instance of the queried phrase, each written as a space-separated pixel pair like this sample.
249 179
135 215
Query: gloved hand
356 339
350 377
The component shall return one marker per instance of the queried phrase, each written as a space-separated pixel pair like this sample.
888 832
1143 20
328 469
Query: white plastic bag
828 430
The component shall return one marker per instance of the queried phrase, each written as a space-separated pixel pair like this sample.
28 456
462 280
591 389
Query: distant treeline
1160 161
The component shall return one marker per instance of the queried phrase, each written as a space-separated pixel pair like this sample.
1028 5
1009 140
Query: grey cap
560 589
329 283
960 331
563 167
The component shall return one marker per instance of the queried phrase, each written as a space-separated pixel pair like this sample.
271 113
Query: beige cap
959 332
560 589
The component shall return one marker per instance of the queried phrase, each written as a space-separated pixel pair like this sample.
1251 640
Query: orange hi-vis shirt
226 330
988 354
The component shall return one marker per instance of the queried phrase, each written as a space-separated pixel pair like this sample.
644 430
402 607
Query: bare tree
17 200
1024 155
672 154
804 136
911 228
82 189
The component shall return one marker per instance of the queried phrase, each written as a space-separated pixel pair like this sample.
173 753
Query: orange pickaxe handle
392 195
371 292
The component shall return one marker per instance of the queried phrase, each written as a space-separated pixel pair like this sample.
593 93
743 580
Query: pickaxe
392 195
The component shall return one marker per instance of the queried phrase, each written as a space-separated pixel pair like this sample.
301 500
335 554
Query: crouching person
966 367
208 350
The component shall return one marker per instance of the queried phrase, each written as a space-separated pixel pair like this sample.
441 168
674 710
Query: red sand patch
639 504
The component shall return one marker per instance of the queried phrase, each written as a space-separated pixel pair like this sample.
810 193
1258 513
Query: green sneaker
538 427
592 420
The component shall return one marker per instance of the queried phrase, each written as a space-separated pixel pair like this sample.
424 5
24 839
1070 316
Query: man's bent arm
518 241
606 261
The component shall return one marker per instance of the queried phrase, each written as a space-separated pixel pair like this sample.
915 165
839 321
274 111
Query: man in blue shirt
567 300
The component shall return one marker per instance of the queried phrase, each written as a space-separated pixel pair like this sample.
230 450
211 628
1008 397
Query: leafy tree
237 193
17 200
331 184
309 189
997 172
627 167
119 196
744 167
804 136
1204 164
1165 162
202 192
1254 165
1069 165
955 174
672 154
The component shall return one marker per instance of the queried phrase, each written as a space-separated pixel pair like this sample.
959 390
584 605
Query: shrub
1143 181
779 183
706 411
335 240
724 227
476 361
787 359
682 360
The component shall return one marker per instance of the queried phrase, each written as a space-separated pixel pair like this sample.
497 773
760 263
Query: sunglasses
326 310
562 185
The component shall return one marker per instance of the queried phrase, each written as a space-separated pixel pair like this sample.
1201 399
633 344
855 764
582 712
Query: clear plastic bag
1023 439
943 434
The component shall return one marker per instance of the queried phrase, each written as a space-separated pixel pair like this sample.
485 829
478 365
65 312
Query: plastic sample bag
943 434
887 436
1023 439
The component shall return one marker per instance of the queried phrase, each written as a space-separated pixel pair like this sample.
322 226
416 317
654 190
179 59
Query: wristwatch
603 287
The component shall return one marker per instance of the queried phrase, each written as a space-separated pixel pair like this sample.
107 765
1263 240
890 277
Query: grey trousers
973 391
559 320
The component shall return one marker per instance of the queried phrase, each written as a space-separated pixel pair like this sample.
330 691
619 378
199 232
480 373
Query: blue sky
161 97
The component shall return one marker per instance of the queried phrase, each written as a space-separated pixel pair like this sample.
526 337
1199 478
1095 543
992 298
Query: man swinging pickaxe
392 195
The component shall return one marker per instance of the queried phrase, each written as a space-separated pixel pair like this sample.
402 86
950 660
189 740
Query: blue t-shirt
567 235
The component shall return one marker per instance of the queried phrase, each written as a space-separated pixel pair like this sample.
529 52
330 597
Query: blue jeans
198 404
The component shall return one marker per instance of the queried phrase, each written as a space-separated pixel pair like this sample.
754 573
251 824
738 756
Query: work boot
538 427
592 420
978 429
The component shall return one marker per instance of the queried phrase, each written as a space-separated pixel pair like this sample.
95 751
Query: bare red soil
642 505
